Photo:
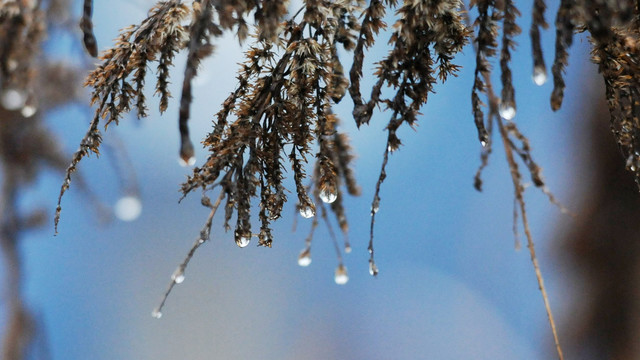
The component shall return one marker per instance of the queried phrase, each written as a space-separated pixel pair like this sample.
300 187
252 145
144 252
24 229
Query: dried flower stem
205 234
519 190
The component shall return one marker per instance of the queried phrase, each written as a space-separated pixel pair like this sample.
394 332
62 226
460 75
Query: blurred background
451 284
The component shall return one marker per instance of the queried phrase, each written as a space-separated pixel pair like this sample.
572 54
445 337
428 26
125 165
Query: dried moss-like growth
280 114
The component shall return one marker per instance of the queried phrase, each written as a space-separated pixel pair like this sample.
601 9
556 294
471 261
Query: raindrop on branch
304 259
539 75
242 239
156 313
187 162
373 268
307 211
375 206
507 110
328 195
178 275
341 277
28 111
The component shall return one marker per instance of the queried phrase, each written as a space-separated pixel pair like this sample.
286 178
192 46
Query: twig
86 25
178 274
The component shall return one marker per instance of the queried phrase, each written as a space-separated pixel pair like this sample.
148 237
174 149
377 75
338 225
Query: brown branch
86 25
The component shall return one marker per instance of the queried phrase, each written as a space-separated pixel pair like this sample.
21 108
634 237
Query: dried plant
30 86
280 114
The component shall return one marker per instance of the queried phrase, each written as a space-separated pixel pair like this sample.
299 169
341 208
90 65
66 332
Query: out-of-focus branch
604 246
18 331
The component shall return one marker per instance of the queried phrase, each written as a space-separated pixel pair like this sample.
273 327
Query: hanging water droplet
483 143
13 99
12 64
630 163
328 195
539 75
242 240
375 205
347 248
156 313
188 162
307 211
178 275
304 259
341 277
507 111
28 111
128 208
373 268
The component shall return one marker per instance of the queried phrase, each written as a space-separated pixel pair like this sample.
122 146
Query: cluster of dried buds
280 114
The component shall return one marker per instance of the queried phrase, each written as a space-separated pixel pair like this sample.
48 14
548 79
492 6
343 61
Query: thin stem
515 176
204 236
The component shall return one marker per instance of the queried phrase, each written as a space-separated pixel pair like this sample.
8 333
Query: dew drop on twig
156 313
328 195
188 162
242 240
304 259
373 268
341 277
539 75
30 107
178 275
307 212
507 111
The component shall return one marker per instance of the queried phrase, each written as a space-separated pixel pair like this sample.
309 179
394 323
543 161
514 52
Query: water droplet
341 277
12 64
156 313
373 268
304 259
347 249
178 275
307 211
189 162
483 143
128 208
13 99
242 240
539 75
328 195
28 111
375 205
630 161
507 111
